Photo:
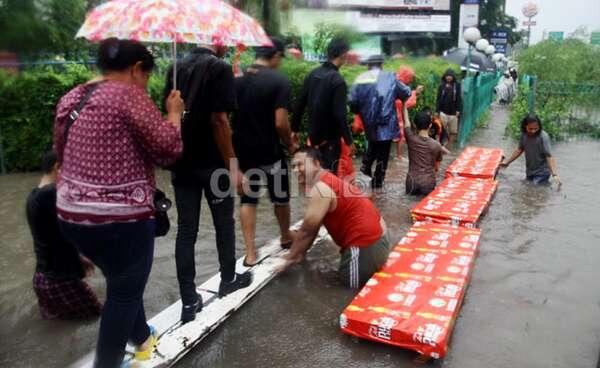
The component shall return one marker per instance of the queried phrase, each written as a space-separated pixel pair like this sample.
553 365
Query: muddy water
534 300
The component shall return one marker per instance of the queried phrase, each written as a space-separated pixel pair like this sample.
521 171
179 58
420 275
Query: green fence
565 108
478 95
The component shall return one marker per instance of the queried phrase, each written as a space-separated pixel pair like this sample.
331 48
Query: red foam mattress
414 300
476 162
456 201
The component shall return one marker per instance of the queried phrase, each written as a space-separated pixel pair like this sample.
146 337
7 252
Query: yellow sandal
147 354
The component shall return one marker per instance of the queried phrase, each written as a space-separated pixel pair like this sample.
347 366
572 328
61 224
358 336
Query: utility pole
529 32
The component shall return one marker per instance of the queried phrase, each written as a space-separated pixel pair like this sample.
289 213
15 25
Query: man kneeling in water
350 218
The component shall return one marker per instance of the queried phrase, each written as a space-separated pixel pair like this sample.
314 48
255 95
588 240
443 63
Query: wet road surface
534 298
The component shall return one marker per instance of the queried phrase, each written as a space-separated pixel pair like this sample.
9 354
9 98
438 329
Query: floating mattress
456 201
413 302
476 162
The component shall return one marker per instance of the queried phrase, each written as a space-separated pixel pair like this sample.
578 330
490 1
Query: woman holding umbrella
109 135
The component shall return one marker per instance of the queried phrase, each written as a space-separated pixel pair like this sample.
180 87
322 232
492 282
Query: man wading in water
350 218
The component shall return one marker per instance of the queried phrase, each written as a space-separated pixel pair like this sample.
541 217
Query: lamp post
489 51
471 35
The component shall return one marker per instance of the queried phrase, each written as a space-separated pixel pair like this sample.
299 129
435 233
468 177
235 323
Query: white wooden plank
176 340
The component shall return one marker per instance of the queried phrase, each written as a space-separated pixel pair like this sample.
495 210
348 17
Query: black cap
270 51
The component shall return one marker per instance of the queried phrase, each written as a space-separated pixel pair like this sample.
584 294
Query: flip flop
249 265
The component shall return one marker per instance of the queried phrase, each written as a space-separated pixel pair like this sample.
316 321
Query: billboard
374 22
469 17
394 4
556 36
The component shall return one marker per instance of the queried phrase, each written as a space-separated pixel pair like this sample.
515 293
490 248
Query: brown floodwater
534 298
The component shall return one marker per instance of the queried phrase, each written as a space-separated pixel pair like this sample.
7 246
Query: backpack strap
198 77
74 114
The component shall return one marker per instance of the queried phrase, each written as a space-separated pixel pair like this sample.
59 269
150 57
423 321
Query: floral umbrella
212 22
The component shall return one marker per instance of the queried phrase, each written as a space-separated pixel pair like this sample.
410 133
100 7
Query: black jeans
330 155
377 151
123 251
189 187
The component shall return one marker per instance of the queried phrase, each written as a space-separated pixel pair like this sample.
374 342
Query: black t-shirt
213 92
259 92
56 257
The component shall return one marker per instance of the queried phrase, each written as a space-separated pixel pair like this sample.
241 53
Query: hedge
568 79
29 99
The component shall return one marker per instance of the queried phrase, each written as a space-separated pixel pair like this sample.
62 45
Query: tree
580 33
266 11
64 17
492 16
33 27
22 30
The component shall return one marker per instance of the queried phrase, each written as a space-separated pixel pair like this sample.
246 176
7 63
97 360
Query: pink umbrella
210 22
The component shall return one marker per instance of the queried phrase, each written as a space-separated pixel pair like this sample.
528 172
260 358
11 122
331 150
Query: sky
558 15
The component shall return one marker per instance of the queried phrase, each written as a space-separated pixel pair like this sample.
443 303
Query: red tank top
355 222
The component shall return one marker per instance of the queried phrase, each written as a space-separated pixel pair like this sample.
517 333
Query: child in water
535 142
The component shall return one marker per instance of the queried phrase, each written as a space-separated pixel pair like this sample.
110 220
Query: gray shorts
357 265
450 123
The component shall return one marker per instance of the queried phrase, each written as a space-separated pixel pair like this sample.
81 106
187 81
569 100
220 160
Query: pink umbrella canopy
212 22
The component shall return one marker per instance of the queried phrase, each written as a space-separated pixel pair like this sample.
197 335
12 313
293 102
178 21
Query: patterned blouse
107 165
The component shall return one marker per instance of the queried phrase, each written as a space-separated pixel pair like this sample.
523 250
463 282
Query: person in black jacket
324 94
59 272
449 104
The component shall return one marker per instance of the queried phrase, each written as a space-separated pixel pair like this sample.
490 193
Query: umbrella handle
175 63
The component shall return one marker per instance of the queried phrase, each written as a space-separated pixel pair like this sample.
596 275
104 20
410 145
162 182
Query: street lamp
490 50
471 35
482 45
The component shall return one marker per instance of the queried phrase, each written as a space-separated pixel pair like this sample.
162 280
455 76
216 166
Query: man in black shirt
207 87
449 104
259 125
324 93
59 271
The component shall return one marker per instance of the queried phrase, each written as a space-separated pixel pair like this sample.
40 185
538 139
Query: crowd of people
223 134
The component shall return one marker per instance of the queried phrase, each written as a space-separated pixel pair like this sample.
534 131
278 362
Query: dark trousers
123 251
330 155
189 187
378 152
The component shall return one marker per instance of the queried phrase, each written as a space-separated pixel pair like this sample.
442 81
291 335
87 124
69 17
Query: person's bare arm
282 124
513 157
407 122
321 198
552 164
222 136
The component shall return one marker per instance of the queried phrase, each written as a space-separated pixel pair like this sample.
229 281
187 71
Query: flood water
534 298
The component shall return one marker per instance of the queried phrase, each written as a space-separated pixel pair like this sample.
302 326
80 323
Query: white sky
558 15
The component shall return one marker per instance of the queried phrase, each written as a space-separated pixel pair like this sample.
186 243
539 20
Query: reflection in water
533 301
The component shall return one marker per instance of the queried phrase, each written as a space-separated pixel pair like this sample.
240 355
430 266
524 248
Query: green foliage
568 61
325 32
26 119
29 100
568 79
493 16
33 27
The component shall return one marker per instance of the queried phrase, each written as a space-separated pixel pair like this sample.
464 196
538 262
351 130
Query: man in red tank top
350 218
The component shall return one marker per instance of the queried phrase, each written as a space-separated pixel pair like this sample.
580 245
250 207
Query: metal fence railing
478 95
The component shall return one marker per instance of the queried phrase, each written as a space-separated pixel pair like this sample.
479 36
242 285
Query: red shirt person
351 219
